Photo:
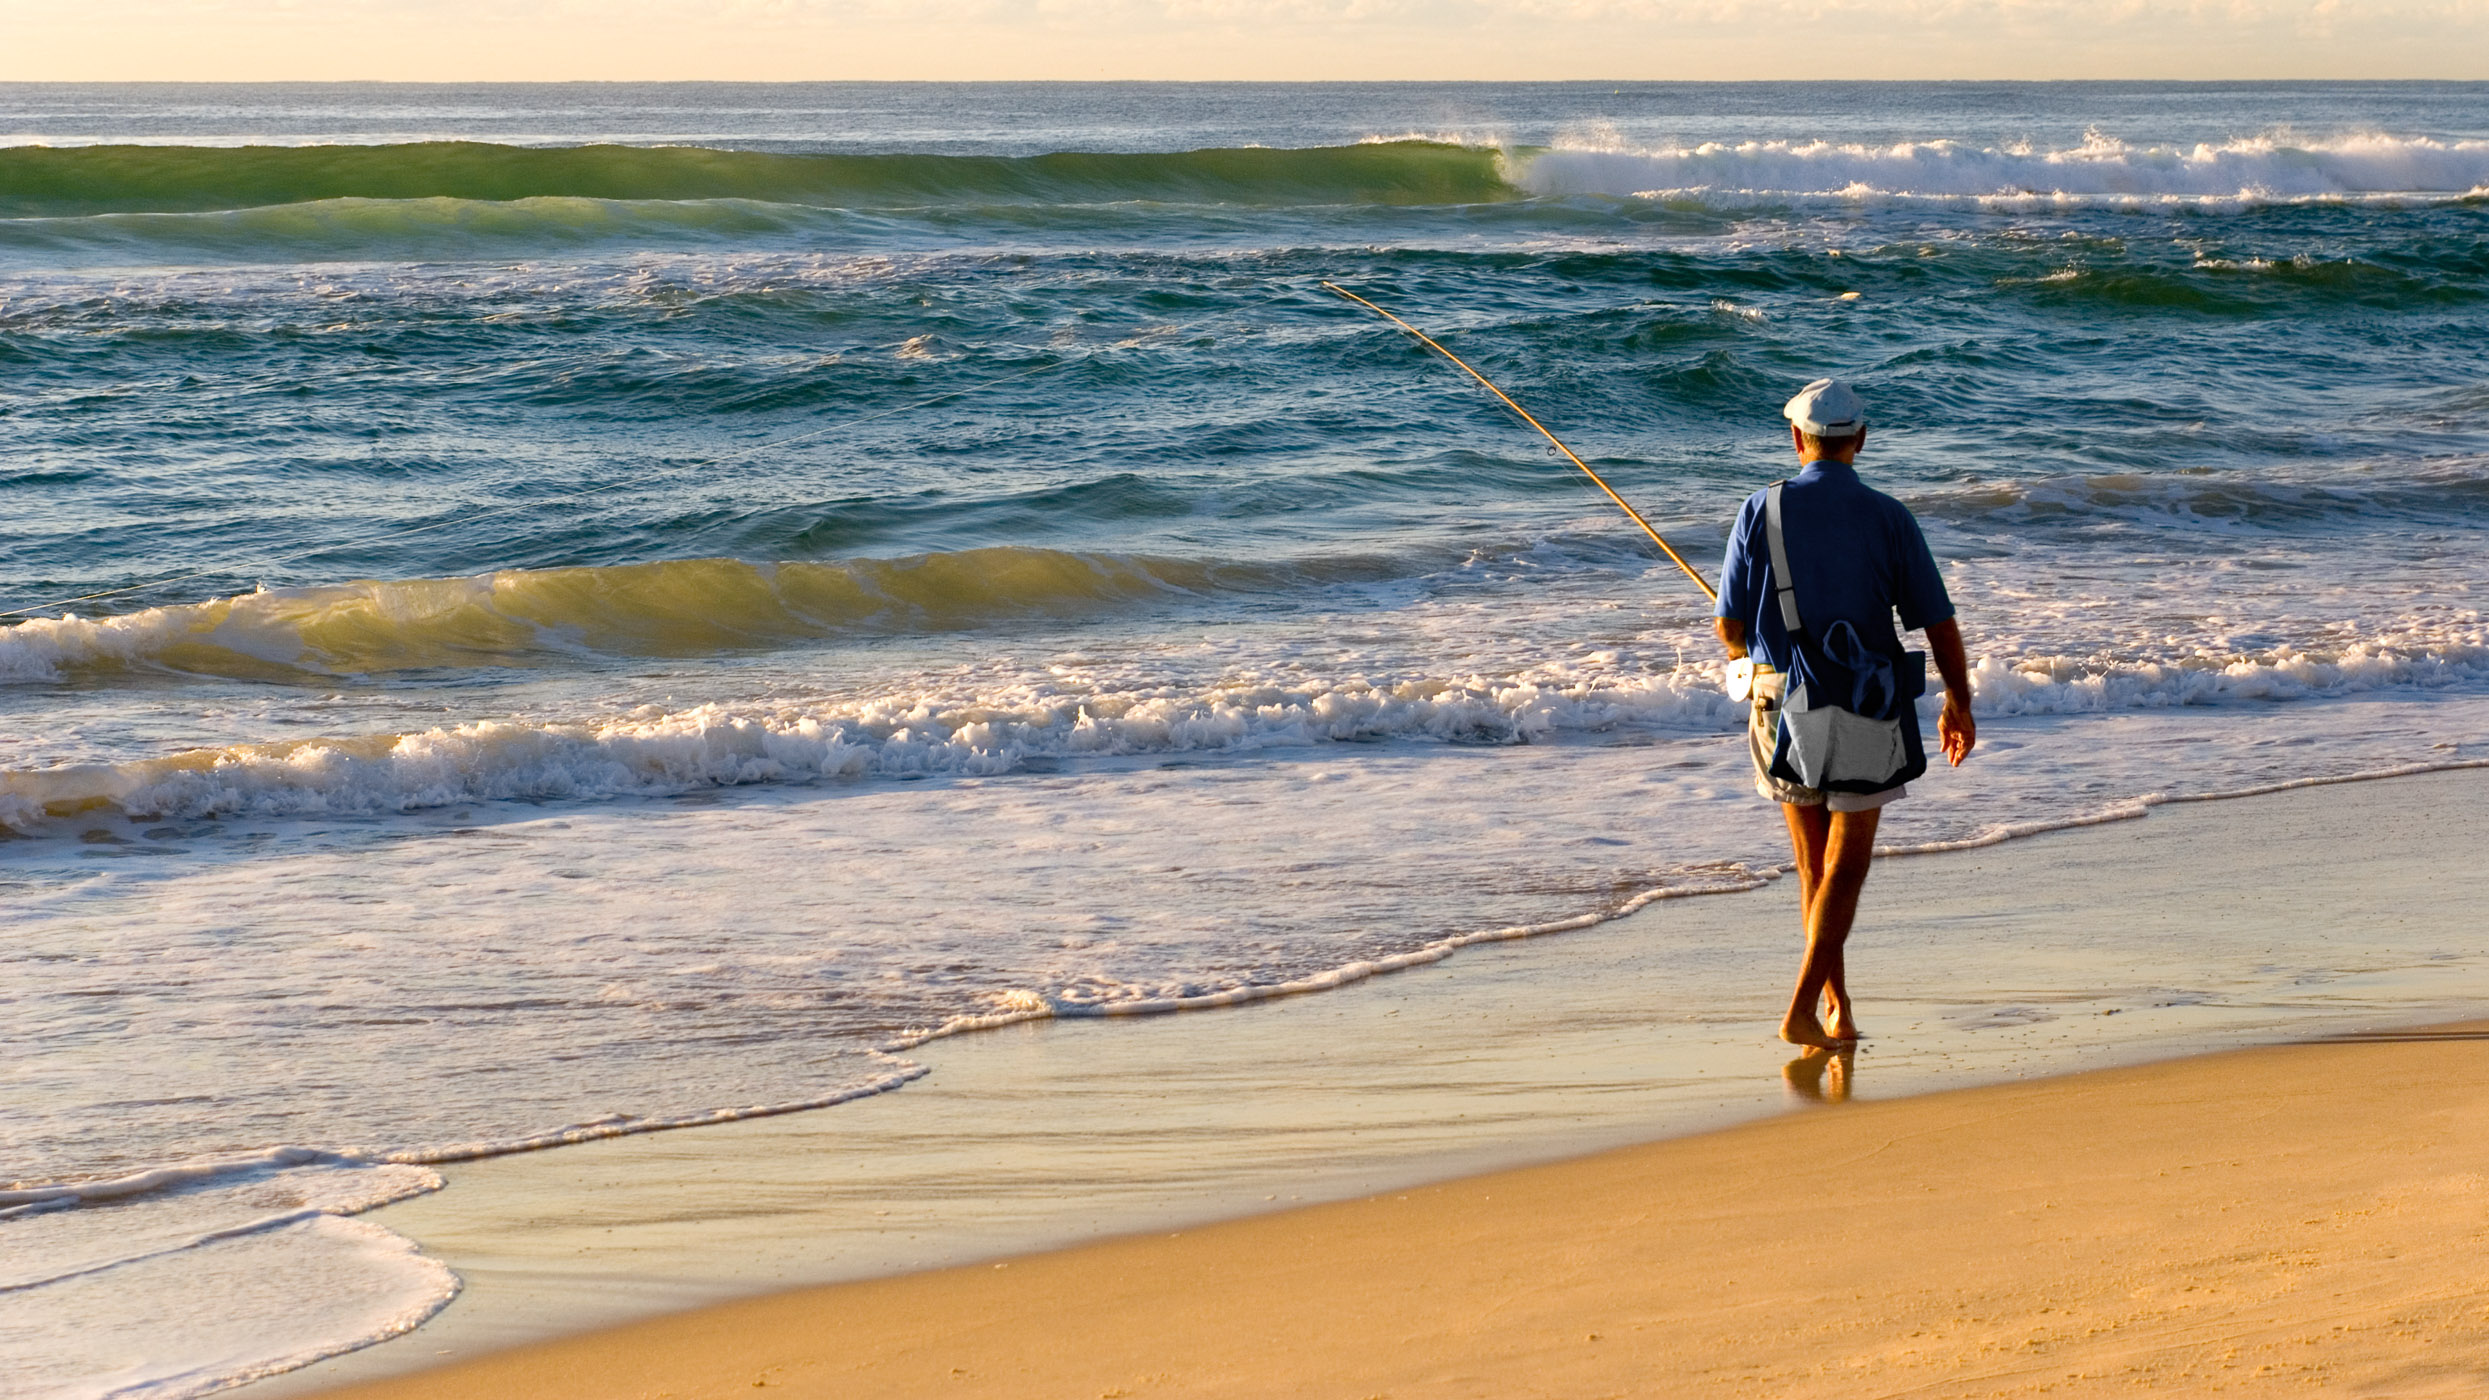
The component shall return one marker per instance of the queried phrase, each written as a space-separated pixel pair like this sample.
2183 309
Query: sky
542 40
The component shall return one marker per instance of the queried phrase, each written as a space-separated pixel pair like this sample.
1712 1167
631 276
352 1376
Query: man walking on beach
1854 557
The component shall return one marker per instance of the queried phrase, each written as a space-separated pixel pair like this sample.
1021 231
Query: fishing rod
1429 342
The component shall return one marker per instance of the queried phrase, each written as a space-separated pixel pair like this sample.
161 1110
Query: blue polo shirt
1857 553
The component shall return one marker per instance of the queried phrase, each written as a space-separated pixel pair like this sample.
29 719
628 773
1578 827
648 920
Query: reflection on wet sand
1821 1076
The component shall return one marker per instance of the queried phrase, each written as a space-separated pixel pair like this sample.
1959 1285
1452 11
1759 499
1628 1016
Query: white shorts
1763 731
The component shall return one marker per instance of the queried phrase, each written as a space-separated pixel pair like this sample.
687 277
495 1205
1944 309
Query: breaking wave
981 732
41 181
686 607
2103 170
736 189
2220 501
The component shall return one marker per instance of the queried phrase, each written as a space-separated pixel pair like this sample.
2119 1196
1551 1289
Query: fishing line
1429 342
712 460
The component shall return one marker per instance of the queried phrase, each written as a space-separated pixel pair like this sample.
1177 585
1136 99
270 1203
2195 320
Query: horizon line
1236 82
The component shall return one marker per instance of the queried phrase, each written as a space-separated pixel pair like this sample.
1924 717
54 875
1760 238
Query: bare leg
1841 1023
1810 830
1831 907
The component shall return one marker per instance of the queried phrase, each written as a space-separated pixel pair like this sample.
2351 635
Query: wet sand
2301 1219
2105 945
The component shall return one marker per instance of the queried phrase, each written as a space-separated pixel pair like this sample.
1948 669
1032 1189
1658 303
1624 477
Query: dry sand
2206 926
2299 1219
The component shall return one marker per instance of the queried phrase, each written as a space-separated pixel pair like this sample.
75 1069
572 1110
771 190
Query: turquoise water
539 612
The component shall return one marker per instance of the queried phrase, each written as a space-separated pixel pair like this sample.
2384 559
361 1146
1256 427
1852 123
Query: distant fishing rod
1429 342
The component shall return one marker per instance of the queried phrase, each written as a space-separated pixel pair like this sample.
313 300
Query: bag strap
1784 587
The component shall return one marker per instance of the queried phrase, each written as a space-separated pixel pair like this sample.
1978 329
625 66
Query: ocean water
541 613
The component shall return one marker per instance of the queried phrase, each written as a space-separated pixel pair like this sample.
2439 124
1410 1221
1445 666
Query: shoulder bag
1848 712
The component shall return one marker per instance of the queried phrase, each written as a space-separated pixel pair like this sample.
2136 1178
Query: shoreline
2164 1227
1528 1090
1349 975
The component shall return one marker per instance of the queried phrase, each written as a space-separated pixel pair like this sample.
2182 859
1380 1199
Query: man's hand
1732 632
1955 729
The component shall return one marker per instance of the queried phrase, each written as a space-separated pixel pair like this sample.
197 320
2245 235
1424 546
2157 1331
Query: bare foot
1836 1015
1801 1028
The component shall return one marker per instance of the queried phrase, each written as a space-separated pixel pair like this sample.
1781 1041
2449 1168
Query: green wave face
677 608
37 181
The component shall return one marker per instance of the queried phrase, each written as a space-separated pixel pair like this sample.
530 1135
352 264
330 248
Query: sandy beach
2291 1219
2302 1215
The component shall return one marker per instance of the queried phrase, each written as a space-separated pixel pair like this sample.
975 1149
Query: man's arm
1954 728
1732 632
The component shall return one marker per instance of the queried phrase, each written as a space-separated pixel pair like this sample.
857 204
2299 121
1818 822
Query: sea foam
2103 170
991 731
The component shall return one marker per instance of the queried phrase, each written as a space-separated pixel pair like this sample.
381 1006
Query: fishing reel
1741 678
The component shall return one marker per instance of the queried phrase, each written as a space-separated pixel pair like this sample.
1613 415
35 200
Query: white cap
1827 408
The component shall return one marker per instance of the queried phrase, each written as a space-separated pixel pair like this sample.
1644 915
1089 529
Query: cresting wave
654 751
2224 501
2101 171
587 182
686 607
41 181
704 607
